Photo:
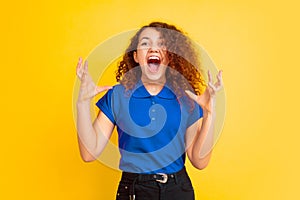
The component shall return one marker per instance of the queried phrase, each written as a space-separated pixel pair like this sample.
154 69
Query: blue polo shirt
151 128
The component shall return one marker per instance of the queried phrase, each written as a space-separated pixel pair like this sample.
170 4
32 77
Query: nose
154 48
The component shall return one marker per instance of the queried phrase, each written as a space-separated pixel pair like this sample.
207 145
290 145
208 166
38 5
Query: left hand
207 99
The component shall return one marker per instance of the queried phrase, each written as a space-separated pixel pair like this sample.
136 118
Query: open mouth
153 63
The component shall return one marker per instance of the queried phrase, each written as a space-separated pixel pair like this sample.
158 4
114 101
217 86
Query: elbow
200 165
87 160
87 157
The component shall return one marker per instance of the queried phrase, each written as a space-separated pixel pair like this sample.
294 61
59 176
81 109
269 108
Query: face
151 54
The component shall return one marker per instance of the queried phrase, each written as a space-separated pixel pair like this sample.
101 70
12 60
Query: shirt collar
141 92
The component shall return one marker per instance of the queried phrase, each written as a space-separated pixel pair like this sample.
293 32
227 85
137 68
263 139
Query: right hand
88 88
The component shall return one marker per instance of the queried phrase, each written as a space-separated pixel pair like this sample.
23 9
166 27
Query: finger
219 83
219 77
79 62
78 68
84 71
209 76
191 95
212 86
85 68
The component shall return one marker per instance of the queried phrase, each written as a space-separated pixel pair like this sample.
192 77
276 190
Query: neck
154 87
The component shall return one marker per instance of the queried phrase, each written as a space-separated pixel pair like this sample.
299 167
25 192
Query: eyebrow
147 38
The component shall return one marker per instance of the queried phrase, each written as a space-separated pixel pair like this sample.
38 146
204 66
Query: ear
135 57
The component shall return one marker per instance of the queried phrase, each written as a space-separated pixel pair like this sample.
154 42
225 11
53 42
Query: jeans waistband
152 177
161 178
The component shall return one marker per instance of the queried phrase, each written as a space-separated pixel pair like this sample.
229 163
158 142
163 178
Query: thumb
102 88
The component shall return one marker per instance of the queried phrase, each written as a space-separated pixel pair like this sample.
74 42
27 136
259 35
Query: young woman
162 109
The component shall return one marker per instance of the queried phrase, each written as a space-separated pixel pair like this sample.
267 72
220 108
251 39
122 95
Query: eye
144 43
162 44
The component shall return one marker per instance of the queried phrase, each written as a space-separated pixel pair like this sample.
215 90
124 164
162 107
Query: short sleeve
105 105
195 114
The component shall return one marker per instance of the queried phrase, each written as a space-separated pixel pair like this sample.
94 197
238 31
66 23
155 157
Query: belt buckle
165 178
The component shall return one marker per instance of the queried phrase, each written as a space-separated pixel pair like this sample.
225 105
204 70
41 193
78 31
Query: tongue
153 67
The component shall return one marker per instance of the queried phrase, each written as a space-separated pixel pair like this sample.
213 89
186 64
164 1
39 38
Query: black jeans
147 187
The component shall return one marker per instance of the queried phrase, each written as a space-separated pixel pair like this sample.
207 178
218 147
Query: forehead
150 33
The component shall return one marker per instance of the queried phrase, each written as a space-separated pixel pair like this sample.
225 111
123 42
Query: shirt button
153 118
153 102
153 110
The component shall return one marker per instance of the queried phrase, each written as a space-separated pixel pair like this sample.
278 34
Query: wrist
207 114
83 103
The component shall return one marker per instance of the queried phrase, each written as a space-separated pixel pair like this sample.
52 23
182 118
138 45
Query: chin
157 76
153 77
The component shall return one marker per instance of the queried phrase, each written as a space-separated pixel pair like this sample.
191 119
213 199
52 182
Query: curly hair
183 58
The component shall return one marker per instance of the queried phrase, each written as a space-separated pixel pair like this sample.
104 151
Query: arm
199 140
92 136
200 135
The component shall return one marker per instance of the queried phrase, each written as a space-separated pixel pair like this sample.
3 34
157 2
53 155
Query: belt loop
175 178
178 175
132 191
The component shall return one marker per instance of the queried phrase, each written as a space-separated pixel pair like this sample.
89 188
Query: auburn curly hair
183 58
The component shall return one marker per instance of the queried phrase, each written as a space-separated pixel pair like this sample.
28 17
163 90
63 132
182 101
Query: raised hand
88 88
207 99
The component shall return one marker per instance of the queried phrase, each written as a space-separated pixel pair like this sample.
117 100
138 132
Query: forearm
203 142
86 133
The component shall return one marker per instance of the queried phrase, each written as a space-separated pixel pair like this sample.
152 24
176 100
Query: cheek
166 59
140 56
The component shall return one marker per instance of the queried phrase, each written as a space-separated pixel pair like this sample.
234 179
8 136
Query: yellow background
256 43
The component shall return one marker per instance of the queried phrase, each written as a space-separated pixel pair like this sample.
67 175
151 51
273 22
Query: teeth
153 58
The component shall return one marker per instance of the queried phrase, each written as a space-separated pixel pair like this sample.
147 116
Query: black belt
159 177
